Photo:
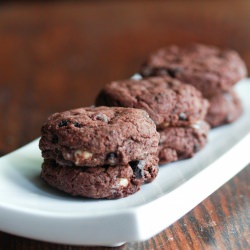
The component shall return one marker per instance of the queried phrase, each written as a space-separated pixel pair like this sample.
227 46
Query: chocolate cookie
178 143
167 101
224 108
109 182
99 136
209 69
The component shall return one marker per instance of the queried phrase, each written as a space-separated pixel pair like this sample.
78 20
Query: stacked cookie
99 152
177 109
212 71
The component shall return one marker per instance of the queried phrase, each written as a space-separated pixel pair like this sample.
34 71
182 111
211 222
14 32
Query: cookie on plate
224 108
175 107
168 102
208 68
99 152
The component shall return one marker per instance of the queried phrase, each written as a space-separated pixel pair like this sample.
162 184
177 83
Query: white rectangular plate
30 208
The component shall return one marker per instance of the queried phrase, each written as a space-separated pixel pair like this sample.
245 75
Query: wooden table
57 56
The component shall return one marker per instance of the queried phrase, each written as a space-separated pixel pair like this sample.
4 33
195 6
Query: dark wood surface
57 56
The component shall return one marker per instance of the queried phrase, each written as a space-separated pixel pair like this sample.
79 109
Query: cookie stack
177 109
99 152
211 70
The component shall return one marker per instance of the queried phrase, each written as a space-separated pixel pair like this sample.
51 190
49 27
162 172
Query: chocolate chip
182 117
63 123
111 158
160 72
181 155
164 72
196 147
112 132
158 97
77 125
137 167
55 139
172 72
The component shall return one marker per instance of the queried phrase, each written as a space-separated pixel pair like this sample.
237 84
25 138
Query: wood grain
57 56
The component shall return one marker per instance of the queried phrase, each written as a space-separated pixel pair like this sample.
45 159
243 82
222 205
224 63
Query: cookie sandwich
99 152
177 109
